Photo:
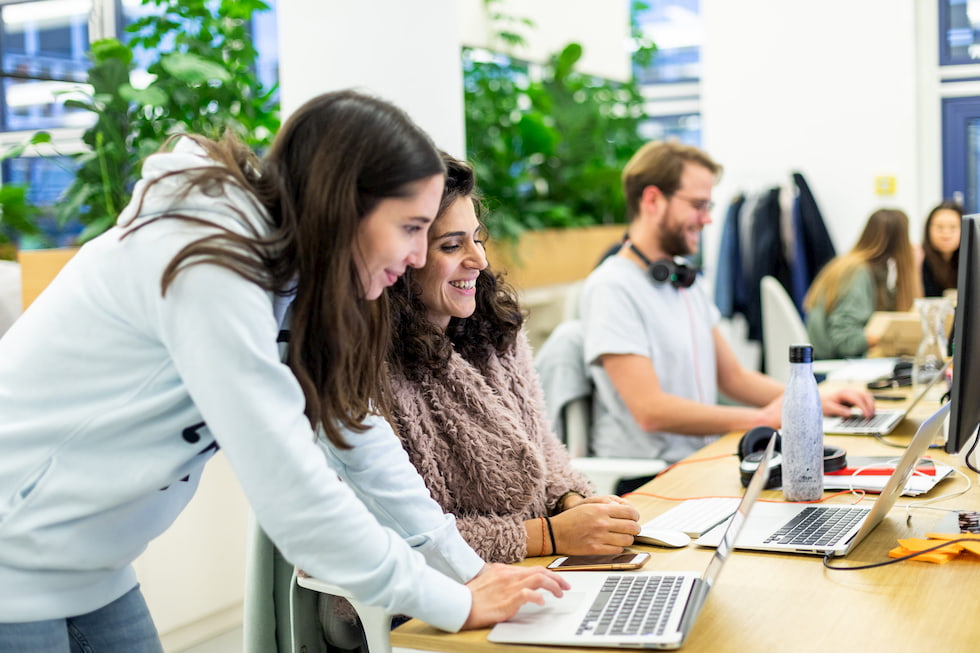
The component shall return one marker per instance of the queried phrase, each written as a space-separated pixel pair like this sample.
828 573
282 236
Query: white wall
600 26
406 51
829 89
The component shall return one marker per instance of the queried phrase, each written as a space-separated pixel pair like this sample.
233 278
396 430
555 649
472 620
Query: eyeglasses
699 205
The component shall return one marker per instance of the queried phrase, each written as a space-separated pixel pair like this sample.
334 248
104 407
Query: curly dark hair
419 349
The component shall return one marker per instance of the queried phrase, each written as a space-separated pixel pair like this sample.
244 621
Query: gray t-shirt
624 311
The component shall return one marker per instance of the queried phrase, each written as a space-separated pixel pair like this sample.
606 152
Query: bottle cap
800 353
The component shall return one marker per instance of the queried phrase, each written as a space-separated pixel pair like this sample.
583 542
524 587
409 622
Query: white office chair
568 395
782 326
280 608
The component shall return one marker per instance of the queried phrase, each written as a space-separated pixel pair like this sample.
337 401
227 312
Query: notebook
634 609
822 529
870 473
883 421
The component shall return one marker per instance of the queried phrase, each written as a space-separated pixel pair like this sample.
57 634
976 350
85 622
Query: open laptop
826 528
883 421
630 610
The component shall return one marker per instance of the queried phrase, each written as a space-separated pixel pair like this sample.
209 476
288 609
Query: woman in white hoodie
157 345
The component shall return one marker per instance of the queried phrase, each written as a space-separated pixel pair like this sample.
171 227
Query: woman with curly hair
469 408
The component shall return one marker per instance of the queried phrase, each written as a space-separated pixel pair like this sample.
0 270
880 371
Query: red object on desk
929 470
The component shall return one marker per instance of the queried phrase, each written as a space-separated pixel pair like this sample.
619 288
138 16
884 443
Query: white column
405 51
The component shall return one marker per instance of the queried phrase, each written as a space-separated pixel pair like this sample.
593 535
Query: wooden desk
769 601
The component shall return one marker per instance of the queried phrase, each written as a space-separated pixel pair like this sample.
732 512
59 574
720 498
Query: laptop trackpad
553 605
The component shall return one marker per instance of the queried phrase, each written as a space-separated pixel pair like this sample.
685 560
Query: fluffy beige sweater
485 450
484 447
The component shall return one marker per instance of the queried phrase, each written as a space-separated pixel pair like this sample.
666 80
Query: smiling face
686 212
455 258
944 232
394 236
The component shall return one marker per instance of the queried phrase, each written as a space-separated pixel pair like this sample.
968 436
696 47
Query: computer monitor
965 392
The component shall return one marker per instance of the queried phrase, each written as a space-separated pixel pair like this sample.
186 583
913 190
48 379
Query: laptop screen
735 524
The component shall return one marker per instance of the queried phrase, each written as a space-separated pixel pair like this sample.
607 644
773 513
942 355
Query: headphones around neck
675 270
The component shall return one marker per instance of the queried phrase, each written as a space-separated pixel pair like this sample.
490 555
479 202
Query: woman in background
469 408
878 274
941 248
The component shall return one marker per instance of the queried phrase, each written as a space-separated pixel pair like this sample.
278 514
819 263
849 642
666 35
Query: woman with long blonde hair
878 274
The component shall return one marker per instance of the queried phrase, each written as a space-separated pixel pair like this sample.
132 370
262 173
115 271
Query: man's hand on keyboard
842 401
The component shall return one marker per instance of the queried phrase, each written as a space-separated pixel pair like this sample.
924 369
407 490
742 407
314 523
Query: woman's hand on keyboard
500 590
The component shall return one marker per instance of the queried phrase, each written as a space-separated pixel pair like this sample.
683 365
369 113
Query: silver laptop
883 421
825 528
633 609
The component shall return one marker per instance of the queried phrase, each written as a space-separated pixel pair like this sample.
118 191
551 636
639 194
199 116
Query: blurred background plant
548 141
18 216
202 78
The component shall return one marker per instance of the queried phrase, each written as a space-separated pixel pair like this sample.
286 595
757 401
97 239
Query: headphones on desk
752 447
677 271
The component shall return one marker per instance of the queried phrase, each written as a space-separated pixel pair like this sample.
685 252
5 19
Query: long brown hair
943 272
335 159
885 237
420 349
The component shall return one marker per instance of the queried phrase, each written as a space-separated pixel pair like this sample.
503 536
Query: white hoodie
103 383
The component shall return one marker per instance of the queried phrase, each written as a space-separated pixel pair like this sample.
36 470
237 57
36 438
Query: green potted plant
548 150
204 82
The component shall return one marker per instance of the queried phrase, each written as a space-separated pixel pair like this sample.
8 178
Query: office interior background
876 102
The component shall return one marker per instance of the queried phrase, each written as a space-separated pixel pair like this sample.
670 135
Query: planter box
38 267
553 256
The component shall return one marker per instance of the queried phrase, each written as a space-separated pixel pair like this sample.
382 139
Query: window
42 49
43 61
670 81
959 27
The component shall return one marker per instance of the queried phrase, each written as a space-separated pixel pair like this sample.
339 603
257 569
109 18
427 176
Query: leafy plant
549 150
17 214
206 70
203 81
105 174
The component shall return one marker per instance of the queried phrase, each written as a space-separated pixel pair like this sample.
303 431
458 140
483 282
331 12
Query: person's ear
652 199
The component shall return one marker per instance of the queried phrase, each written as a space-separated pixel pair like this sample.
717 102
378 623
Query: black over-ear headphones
752 447
675 270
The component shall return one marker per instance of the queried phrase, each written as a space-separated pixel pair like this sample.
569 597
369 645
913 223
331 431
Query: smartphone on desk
612 561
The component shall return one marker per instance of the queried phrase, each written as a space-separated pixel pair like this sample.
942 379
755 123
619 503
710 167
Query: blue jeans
123 626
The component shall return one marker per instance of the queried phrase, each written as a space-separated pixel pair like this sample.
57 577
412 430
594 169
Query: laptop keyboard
695 516
861 422
632 605
815 526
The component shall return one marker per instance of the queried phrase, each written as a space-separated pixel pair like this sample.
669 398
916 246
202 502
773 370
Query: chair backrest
782 326
275 619
281 616
560 363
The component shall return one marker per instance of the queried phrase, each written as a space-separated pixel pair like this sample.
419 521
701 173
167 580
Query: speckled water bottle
802 430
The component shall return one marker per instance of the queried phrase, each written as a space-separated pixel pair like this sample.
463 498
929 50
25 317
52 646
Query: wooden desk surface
771 601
